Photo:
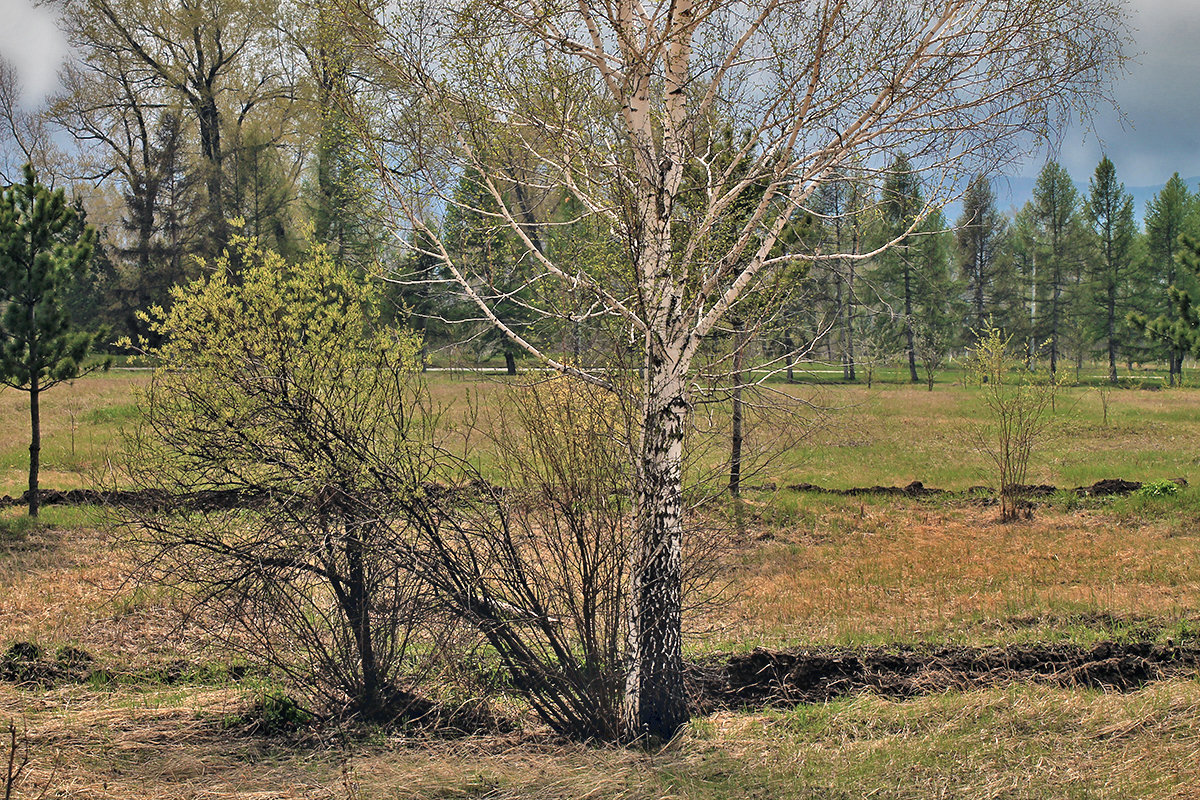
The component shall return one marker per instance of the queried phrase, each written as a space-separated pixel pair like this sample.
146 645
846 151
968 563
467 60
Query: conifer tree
1057 256
476 237
1110 211
981 233
1180 328
902 203
1166 216
42 252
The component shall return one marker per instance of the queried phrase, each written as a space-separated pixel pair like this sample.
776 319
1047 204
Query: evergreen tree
1180 328
901 203
915 277
1166 216
981 235
1023 252
1109 209
339 194
831 294
1058 248
261 190
42 253
478 237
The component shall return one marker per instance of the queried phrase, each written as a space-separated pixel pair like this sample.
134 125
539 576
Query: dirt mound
1027 490
914 489
205 500
1103 488
1110 486
27 663
786 677
209 499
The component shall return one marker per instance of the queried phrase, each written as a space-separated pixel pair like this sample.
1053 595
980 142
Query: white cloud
31 42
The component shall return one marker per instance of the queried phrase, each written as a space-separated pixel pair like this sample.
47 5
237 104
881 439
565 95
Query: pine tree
981 235
477 237
831 296
1110 211
1166 216
1056 269
42 252
1180 327
901 203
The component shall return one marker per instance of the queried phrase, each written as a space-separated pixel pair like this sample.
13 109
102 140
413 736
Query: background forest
194 123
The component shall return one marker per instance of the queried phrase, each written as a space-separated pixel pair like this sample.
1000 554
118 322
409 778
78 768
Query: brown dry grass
895 571
63 582
1029 742
826 570
86 413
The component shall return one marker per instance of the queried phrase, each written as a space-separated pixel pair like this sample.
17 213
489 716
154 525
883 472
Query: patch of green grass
108 415
16 528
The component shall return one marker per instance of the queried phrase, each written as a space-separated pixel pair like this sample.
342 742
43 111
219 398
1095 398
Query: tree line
251 114
180 124
1070 273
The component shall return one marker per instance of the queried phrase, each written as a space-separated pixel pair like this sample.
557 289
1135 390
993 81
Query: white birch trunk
655 700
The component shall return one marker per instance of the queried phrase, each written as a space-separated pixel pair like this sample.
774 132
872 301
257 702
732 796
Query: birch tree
612 101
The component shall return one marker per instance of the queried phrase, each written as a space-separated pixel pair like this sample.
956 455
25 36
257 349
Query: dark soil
27 663
218 499
209 500
786 677
1105 488
914 489
767 678
153 500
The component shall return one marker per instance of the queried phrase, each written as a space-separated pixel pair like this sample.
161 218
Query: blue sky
1159 97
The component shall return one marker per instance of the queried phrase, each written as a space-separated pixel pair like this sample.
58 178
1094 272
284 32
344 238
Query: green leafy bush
1162 488
290 432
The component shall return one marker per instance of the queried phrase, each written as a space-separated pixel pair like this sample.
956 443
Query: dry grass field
165 715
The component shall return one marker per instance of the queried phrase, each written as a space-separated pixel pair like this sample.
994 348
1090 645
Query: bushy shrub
1019 399
288 431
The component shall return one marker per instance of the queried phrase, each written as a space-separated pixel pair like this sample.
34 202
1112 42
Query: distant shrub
1019 412
1163 488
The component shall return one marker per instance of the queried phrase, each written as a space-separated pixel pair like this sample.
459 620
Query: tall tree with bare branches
610 101
219 61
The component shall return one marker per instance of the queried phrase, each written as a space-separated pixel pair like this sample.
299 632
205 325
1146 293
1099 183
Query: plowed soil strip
764 678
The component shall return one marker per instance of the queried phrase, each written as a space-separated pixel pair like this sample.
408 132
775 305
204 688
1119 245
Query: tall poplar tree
42 252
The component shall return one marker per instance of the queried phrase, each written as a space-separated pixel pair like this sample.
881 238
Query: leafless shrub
540 566
14 761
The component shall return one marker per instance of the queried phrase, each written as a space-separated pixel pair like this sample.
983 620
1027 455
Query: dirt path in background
813 675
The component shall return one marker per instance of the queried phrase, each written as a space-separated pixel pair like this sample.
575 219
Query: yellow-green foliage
578 426
256 369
